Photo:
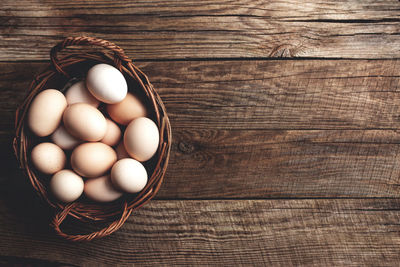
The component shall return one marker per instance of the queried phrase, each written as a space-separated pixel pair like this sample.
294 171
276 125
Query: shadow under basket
74 64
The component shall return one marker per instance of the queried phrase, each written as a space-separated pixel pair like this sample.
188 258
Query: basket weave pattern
114 214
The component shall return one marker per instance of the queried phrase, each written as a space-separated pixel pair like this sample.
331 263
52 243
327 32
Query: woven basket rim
114 213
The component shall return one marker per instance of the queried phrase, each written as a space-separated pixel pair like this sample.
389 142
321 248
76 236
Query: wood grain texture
251 95
279 129
269 164
315 94
265 164
242 232
190 29
274 162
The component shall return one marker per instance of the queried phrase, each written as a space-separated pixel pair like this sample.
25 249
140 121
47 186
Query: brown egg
45 112
92 159
128 109
48 158
113 134
85 122
101 189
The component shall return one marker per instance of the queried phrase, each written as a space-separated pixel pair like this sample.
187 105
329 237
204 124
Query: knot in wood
284 50
185 147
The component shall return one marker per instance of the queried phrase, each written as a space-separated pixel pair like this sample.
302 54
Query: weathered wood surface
243 95
271 164
312 94
327 232
323 129
265 164
274 162
193 29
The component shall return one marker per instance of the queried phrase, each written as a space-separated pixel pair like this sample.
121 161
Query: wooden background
285 119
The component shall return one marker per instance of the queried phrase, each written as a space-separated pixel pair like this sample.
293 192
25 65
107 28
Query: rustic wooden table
284 114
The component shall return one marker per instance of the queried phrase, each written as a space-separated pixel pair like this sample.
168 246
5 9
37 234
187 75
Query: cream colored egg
141 139
106 83
128 109
45 112
48 158
78 93
121 151
66 186
129 175
64 139
92 159
113 134
85 122
101 189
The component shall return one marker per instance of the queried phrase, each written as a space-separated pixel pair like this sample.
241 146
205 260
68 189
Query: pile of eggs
89 153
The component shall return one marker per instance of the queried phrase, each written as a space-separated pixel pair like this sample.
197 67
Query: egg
48 158
66 186
45 112
63 139
92 159
85 122
101 189
78 93
141 139
129 175
121 151
128 109
113 134
106 83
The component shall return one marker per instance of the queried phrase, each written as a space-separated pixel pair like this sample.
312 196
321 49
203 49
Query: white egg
101 189
141 139
129 175
64 140
106 83
66 185
78 93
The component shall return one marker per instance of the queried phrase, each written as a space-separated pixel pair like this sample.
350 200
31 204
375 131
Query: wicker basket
74 64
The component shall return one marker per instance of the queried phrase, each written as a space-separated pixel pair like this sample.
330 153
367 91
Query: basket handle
119 53
109 229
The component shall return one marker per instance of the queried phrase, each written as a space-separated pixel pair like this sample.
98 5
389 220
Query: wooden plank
269 164
340 118
189 29
21 261
316 94
265 164
257 232
242 95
